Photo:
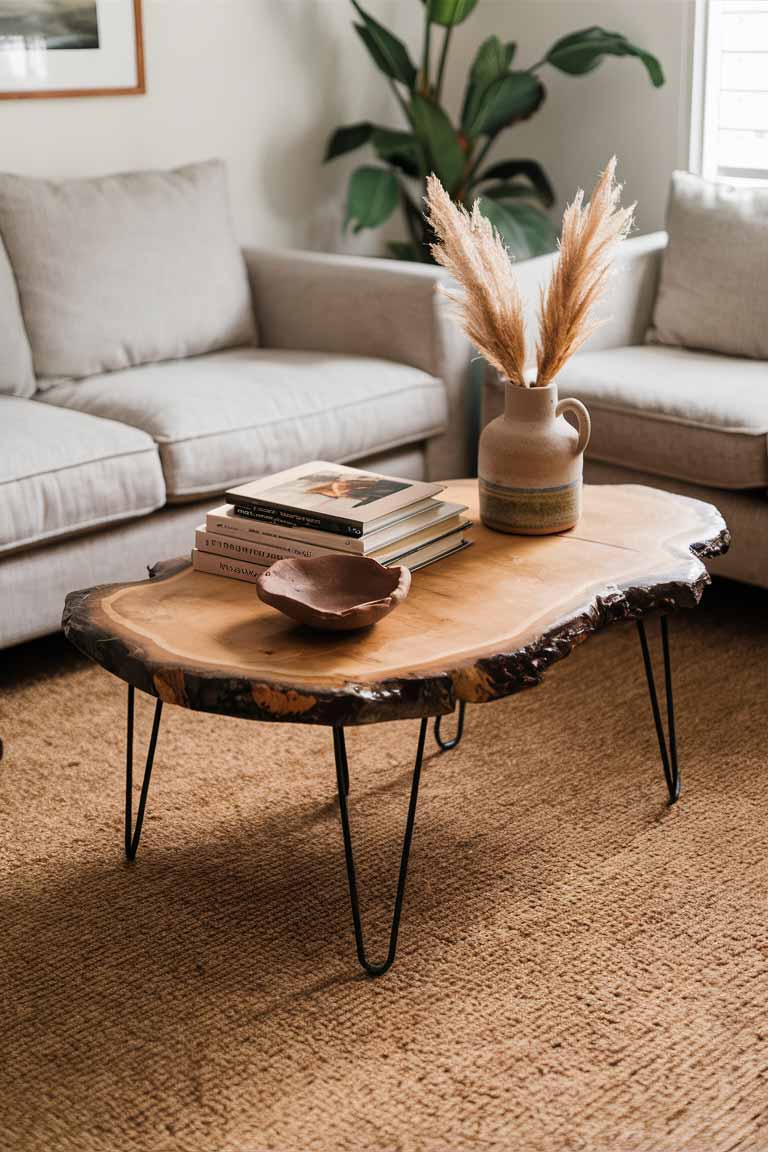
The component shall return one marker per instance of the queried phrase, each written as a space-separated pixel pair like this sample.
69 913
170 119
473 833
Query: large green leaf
372 197
524 229
530 170
449 12
492 61
347 138
582 51
399 148
389 53
513 97
441 144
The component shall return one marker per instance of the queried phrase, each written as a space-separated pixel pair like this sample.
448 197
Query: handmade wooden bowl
334 592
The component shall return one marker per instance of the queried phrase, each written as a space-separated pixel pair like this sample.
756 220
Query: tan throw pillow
125 270
713 292
16 375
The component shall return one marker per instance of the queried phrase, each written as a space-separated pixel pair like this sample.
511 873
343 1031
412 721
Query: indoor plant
511 193
530 458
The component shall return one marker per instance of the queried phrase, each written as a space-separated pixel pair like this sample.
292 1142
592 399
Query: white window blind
734 143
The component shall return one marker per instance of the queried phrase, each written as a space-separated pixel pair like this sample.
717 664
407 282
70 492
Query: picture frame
54 49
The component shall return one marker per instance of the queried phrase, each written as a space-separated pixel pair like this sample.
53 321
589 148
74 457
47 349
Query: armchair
687 421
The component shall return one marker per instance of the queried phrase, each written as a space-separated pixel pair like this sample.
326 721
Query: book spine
278 536
253 551
295 519
443 556
223 566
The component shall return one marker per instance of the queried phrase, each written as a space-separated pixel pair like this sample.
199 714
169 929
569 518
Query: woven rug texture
580 967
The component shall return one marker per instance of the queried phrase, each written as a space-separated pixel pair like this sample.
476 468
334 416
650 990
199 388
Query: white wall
262 82
258 82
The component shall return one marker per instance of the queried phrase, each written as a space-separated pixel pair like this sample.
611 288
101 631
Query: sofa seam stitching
82 464
661 418
65 533
435 383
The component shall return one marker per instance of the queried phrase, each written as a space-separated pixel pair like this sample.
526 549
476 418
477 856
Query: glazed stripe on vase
531 510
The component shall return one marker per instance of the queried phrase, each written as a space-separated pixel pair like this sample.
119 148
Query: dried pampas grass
490 308
588 244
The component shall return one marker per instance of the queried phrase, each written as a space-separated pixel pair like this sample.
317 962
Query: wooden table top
477 626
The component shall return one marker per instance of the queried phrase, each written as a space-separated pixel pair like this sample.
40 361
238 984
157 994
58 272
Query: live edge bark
408 696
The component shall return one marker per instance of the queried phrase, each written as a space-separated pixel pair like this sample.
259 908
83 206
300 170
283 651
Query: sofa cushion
688 415
713 292
232 416
16 375
125 270
64 472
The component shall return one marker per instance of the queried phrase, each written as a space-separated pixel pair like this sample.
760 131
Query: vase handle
582 419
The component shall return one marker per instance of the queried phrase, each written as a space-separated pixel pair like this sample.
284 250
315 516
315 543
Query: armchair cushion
229 417
125 270
62 473
714 279
687 415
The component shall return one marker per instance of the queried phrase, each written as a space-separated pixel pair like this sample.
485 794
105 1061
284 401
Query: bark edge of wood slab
480 625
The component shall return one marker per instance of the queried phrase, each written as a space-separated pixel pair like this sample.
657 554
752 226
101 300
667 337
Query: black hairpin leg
446 745
342 783
132 836
668 750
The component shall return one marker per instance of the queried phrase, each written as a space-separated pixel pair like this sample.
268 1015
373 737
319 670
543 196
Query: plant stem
411 213
400 100
480 157
441 68
425 53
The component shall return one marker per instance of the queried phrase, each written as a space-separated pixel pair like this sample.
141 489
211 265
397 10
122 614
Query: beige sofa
104 472
689 421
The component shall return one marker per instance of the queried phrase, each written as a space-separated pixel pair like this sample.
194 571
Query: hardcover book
225 521
257 552
329 497
241 569
223 566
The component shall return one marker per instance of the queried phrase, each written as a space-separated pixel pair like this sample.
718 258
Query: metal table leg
668 749
132 836
342 783
447 745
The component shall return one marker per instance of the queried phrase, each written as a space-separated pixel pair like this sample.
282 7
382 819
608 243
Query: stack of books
320 509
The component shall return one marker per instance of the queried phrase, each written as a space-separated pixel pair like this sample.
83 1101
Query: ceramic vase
530 463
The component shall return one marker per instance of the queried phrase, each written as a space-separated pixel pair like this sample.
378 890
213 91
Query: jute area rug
580 967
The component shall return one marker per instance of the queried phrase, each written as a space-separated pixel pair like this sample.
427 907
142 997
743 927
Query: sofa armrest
350 305
629 307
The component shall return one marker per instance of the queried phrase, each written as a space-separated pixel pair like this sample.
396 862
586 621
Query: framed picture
70 48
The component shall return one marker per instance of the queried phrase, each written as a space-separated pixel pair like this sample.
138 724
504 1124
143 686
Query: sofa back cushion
16 375
125 270
713 293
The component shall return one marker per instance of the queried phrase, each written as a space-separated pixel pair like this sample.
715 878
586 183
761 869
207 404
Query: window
734 91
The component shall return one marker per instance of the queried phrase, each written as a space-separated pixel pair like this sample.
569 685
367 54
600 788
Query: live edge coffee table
476 627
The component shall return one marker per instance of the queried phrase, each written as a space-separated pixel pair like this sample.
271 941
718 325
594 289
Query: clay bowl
334 592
